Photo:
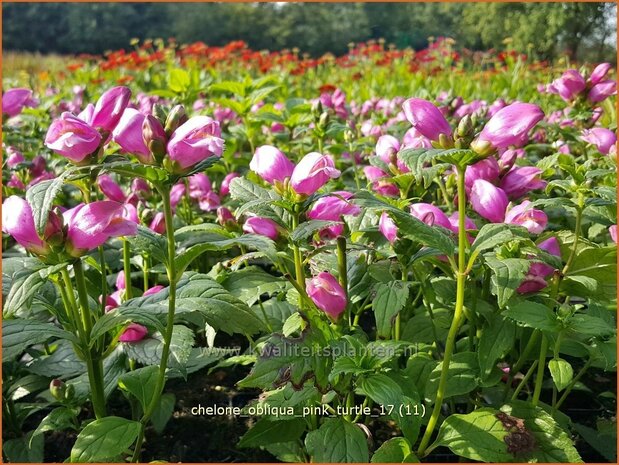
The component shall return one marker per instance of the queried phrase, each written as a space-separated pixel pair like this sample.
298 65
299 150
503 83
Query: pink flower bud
153 290
599 73
110 189
312 172
387 227
426 118
14 157
199 184
454 220
140 187
158 223
38 166
602 90
430 215
569 85
388 189
14 101
87 113
327 294
261 227
128 134
604 139
225 184
522 180
194 141
209 201
177 193
17 221
613 232
488 201
413 139
120 280
110 107
90 225
225 216
72 138
373 173
486 169
133 333
387 148
16 183
510 125
533 220
535 279
271 164
333 207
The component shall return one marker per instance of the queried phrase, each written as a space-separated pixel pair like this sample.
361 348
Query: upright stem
94 364
127 269
540 370
458 313
343 273
298 259
104 289
167 337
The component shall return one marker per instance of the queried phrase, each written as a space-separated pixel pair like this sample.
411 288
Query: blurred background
581 31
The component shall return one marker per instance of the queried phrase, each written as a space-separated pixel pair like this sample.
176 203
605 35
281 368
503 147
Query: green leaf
267 431
420 162
148 351
493 235
163 412
337 441
605 442
178 80
258 200
461 378
290 452
150 243
409 226
132 170
507 275
59 419
308 228
561 372
533 315
389 300
104 439
141 383
41 198
496 340
121 316
233 87
590 325
61 362
25 287
19 334
395 450
24 449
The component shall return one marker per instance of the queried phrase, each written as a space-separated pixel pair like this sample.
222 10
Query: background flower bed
392 274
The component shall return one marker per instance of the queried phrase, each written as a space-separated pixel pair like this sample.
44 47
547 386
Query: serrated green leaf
104 439
337 441
561 372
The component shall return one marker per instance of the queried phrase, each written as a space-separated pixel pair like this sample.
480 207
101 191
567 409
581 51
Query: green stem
458 313
145 271
127 269
540 370
571 386
298 259
524 380
94 365
167 337
343 273
103 279
577 229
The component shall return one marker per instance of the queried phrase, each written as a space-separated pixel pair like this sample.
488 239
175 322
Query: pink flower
225 184
14 101
486 169
488 201
17 220
261 227
72 138
199 184
373 173
209 201
426 118
602 90
110 189
158 223
454 220
110 107
313 172
225 216
510 126
535 279
521 180
177 193
90 225
569 85
387 227
413 139
387 148
604 139
333 207
388 189
153 290
14 157
430 215
133 333
599 73
613 232
87 113
533 220
128 134
271 164
194 141
327 294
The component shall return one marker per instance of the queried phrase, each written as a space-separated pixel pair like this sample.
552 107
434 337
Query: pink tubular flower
158 223
209 201
387 227
14 101
271 164
110 189
599 73
72 138
387 148
533 220
128 134
194 141
426 118
602 90
153 290
388 189
134 332
333 207
313 172
430 215
199 184
225 216
413 139
225 184
261 227
327 294
569 85
486 169
373 173
90 225
177 193
604 139
535 279
488 201
14 158
612 230
110 107
510 126
469 225
17 221
521 180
